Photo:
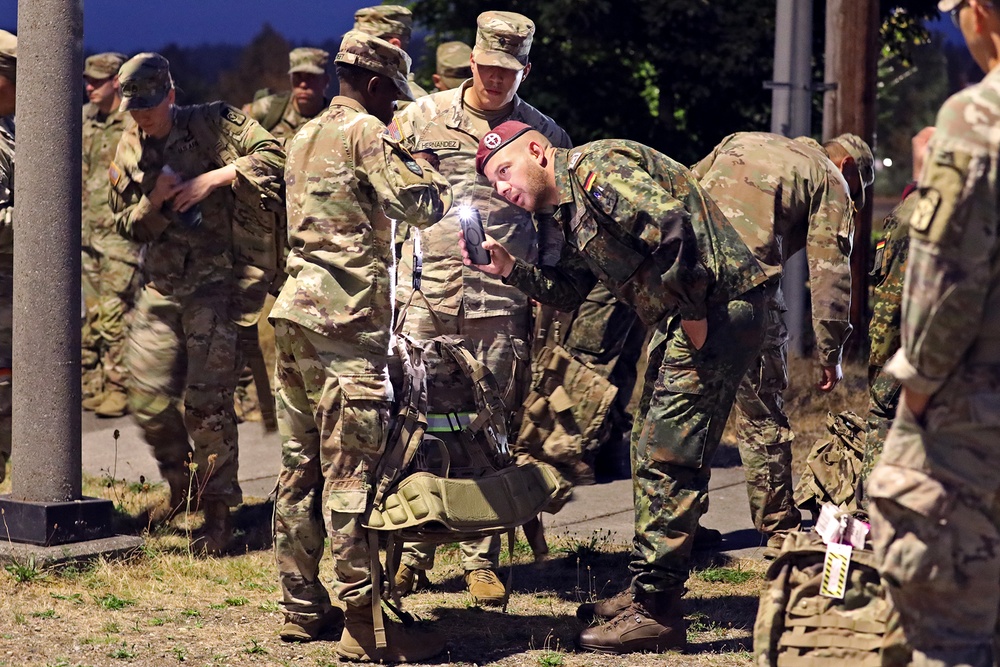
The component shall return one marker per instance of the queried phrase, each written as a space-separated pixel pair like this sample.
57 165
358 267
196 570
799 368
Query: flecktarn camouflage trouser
333 404
686 398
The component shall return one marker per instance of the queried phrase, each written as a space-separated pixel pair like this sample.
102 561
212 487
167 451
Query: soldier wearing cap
109 261
8 84
783 196
492 318
333 321
453 65
394 24
208 259
283 114
640 223
934 496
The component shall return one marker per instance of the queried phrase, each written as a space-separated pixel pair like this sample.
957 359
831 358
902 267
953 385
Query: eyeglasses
955 11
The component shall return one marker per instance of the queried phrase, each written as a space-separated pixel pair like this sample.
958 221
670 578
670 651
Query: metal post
791 116
46 507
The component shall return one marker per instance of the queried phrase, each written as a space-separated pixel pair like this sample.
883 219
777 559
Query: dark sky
140 25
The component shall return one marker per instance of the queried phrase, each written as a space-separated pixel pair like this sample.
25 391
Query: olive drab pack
260 230
833 467
796 626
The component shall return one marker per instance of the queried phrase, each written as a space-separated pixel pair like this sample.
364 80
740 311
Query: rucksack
798 627
833 467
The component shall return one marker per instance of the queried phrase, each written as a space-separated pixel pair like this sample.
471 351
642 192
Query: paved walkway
600 508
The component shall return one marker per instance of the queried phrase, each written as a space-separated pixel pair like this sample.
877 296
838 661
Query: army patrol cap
503 39
379 56
103 65
382 20
308 60
8 54
497 138
145 81
453 63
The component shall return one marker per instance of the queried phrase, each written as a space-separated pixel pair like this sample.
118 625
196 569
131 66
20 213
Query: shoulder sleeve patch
574 158
392 132
927 206
603 194
237 118
114 174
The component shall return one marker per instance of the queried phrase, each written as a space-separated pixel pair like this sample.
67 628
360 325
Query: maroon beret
497 138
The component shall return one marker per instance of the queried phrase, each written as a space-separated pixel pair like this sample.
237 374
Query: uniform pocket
364 414
676 427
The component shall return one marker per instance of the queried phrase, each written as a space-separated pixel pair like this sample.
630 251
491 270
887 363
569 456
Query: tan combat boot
410 580
298 628
653 622
218 528
774 543
605 609
486 587
115 404
403 644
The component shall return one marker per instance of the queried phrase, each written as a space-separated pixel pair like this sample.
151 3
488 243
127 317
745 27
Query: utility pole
791 116
849 106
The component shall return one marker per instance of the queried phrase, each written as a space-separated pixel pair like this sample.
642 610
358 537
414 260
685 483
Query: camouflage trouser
104 331
935 510
185 349
883 392
608 335
686 398
6 352
90 355
333 404
763 433
502 344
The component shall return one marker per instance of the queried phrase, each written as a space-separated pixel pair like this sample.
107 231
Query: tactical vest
260 228
798 627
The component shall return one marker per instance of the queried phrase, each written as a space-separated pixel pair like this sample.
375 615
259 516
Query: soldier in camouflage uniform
394 24
493 319
348 180
8 82
640 223
201 278
883 330
783 195
109 261
935 493
284 114
452 65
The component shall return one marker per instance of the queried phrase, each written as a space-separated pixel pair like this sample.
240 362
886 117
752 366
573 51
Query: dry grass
167 606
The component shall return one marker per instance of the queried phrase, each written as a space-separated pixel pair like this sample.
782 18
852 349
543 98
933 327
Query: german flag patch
880 245
588 183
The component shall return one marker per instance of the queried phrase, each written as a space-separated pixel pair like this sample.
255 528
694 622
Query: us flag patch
392 131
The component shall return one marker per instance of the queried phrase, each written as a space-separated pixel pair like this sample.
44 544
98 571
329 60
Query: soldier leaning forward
640 223
200 187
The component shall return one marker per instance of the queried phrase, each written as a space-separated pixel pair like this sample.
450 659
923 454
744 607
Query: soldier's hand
916 402
696 331
188 193
163 190
501 261
430 157
830 377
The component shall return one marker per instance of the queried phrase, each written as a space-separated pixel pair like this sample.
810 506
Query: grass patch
726 575
112 601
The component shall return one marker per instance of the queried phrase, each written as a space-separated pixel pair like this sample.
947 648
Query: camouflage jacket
100 140
347 181
640 223
783 195
951 298
7 193
290 121
887 279
439 122
176 259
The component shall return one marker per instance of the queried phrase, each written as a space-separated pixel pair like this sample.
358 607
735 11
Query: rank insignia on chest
604 195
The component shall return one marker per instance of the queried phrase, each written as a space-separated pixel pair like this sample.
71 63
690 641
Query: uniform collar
458 119
565 208
350 103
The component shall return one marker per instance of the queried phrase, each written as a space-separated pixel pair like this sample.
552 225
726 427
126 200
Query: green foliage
193 613
112 601
48 613
26 572
551 659
238 601
728 575
123 652
75 598
255 648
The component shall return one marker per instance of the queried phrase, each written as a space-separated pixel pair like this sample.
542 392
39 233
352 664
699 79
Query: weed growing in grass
25 573
193 613
157 621
180 653
75 598
112 601
123 652
237 601
551 659
270 606
255 648
48 613
727 575
111 628
19 618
